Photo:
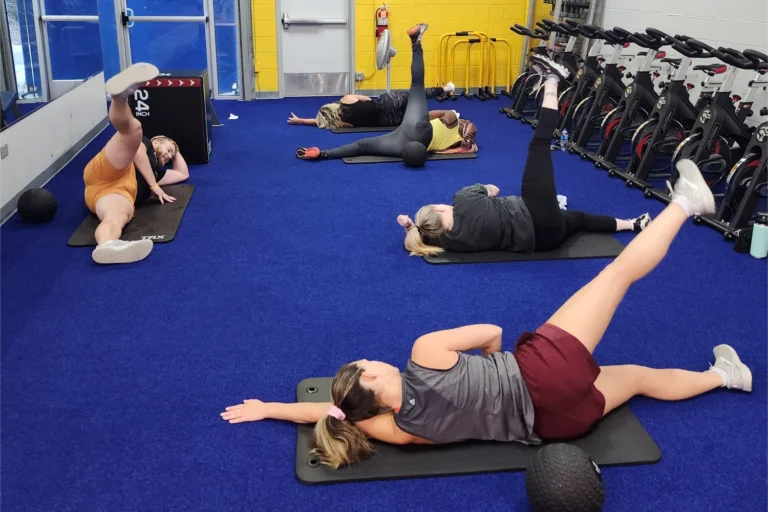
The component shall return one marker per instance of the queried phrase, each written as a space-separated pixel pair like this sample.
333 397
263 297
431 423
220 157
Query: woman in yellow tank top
420 132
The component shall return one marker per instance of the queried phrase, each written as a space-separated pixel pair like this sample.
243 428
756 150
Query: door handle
287 21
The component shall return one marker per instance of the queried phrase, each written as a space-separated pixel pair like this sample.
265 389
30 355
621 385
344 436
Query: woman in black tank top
551 372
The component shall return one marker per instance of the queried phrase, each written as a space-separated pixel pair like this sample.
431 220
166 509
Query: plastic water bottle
759 247
564 140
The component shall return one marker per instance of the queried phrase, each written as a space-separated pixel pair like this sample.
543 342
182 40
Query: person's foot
308 153
544 66
736 374
641 222
449 88
120 251
691 185
128 80
417 31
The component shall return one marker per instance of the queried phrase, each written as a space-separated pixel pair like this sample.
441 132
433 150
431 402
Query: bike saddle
712 69
674 62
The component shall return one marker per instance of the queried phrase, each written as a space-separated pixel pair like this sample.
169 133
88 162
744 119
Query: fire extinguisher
382 20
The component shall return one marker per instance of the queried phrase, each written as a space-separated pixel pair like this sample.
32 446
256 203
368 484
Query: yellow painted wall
491 16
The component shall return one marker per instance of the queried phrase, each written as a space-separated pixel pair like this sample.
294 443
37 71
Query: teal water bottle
759 247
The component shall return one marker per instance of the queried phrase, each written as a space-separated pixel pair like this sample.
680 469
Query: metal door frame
247 55
350 34
125 19
8 67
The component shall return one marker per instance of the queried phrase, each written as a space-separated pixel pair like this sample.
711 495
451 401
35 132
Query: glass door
183 35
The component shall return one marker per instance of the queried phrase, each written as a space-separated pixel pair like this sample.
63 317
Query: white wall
42 137
736 24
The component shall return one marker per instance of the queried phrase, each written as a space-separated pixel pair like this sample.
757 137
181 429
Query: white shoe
544 66
641 222
692 185
128 80
120 251
737 374
449 87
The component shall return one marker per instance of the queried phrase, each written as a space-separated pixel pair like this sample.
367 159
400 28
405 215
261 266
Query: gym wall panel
493 17
39 142
738 24
265 45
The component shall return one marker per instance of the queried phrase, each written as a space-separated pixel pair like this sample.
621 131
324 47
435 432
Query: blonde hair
340 442
329 116
428 223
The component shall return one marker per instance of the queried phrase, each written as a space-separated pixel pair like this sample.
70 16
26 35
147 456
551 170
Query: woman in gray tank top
549 388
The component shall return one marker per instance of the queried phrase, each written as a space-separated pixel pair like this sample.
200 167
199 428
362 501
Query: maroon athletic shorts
560 374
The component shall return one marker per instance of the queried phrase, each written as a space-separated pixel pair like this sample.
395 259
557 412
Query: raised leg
416 118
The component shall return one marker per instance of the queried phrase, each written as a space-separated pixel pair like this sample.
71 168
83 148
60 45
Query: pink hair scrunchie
336 413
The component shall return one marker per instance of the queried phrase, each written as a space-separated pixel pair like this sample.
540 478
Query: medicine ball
563 478
37 205
414 154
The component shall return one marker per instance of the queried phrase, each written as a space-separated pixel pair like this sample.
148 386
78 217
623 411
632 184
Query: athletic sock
721 373
552 79
625 225
683 203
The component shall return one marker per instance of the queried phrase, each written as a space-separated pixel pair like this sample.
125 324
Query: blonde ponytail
329 116
428 223
339 442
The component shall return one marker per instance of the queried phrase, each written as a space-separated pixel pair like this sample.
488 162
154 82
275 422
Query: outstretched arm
256 410
439 350
297 120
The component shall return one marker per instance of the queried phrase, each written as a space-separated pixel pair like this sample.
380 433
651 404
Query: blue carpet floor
113 378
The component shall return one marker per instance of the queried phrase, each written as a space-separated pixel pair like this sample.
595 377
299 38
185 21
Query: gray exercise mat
619 439
578 246
368 159
364 129
154 220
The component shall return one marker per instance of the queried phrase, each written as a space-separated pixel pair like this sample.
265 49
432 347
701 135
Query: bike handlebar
733 57
523 31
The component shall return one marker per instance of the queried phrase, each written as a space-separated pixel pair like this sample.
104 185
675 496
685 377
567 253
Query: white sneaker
544 66
692 185
120 251
128 80
641 222
737 375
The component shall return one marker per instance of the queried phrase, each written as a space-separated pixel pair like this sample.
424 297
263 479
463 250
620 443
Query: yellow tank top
442 136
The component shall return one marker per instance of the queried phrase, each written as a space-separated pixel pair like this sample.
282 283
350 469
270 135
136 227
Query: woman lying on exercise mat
479 220
420 132
353 110
549 388
112 183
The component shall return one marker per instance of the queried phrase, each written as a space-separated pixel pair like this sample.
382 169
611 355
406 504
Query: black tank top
143 191
361 113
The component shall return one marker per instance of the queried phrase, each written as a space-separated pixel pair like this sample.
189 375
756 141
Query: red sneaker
308 153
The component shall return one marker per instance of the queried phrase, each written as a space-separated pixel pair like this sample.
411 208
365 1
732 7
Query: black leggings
394 104
551 225
415 125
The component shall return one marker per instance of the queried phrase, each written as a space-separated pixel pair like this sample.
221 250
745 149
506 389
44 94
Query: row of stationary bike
619 121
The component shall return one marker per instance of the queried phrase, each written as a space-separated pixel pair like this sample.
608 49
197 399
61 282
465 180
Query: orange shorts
101 178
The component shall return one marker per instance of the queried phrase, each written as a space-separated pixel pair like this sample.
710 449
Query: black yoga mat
579 246
381 159
619 439
364 129
153 220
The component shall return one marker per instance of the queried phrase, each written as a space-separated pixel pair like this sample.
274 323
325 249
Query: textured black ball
37 205
563 478
414 154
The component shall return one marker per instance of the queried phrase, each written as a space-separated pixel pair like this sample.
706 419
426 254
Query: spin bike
635 105
606 92
528 82
719 125
567 58
585 77
672 117
745 190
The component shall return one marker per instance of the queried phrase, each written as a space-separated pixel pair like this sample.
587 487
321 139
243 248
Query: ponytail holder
336 413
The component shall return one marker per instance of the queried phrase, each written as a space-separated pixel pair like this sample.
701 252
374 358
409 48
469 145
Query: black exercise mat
619 439
579 246
368 159
155 220
364 129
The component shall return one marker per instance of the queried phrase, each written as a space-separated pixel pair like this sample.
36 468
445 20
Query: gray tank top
481 398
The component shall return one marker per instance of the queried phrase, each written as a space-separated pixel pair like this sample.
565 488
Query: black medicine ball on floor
36 205
563 478
414 154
